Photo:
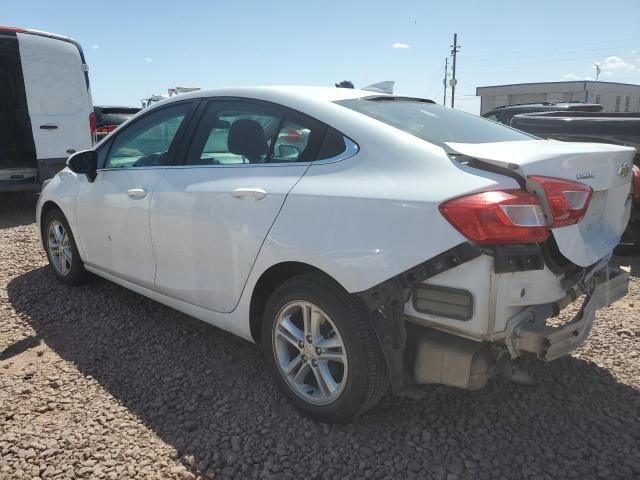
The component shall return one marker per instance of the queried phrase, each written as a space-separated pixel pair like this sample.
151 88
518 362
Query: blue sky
136 48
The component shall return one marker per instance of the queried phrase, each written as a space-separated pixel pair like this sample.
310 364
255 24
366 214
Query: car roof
301 97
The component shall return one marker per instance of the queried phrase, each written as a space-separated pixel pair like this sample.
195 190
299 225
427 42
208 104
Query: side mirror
84 162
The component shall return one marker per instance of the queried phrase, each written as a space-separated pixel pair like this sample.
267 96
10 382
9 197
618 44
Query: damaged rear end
532 251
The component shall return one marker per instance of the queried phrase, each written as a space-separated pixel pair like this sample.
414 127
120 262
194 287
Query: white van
46 112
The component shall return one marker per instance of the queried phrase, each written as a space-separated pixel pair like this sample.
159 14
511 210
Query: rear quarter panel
372 216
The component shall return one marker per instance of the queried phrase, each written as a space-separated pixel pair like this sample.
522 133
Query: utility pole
454 51
444 82
597 70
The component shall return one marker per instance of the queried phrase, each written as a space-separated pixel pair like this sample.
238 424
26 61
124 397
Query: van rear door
58 97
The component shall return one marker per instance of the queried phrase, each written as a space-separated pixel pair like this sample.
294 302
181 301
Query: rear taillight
106 129
92 126
635 183
498 217
567 200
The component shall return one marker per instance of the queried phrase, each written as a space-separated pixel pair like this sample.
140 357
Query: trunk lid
605 168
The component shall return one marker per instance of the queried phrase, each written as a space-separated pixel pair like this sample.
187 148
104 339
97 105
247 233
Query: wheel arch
46 208
271 279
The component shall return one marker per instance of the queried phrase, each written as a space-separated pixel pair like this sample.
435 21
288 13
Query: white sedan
396 242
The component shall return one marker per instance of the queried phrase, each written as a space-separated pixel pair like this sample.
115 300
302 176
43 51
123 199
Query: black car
108 118
506 113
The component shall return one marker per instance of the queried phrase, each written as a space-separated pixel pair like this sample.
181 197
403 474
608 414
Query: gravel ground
99 382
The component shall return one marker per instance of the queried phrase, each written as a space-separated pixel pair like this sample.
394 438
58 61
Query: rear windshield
114 116
433 123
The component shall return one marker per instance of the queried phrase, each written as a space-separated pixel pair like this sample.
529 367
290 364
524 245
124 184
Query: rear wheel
61 249
321 349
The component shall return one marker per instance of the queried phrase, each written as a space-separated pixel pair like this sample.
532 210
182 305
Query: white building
613 96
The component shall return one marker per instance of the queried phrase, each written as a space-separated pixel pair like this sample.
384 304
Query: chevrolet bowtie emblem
624 169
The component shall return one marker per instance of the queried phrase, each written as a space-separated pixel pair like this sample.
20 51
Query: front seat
247 138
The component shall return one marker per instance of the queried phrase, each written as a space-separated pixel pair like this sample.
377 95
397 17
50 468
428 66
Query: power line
514 52
548 54
563 60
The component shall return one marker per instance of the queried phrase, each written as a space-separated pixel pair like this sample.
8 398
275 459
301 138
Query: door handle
137 193
257 193
48 126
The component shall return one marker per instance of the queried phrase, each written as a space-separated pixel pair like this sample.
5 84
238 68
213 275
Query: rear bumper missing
529 333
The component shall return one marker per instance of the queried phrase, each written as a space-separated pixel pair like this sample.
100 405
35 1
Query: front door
113 210
210 216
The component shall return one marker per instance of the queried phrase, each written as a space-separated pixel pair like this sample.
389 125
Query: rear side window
246 132
433 123
332 146
234 132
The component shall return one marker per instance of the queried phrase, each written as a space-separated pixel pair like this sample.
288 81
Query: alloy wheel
310 352
59 245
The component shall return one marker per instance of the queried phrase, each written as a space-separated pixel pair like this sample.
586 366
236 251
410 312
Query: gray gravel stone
99 382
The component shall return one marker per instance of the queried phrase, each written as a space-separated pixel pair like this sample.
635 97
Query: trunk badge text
583 175
624 169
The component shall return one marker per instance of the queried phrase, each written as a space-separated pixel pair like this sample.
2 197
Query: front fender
62 191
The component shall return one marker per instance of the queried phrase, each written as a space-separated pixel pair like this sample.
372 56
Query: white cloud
569 77
617 64
95 46
148 60
400 45
633 52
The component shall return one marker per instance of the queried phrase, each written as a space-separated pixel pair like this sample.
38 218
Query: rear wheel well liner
271 279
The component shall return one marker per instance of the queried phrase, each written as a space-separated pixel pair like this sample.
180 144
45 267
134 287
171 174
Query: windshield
433 123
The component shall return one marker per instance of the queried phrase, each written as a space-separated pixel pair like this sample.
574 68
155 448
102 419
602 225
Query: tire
335 384
65 263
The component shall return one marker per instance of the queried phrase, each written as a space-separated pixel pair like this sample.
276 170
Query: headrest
246 137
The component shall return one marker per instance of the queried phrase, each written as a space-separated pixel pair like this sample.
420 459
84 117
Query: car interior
17 149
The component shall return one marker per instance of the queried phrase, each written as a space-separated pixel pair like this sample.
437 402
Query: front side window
244 132
433 123
147 141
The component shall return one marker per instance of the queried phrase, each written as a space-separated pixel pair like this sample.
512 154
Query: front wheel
61 249
322 350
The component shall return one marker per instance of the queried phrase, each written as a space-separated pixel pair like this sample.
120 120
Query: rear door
210 216
58 98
